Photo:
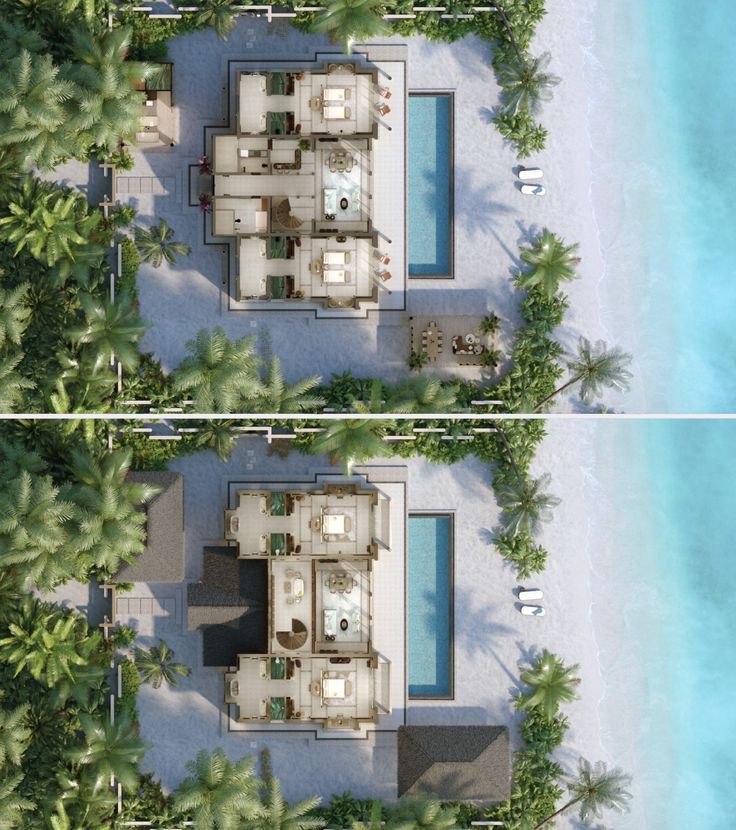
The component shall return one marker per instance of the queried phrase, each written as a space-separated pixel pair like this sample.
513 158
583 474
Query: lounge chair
533 190
529 173
528 594
532 610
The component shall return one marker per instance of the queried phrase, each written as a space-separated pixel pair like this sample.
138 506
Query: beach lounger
533 190
528 594
532 610
529 173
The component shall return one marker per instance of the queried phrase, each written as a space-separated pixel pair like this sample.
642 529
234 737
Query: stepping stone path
145 184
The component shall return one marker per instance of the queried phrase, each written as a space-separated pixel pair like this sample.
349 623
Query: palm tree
349 20
524 501
110 329
89 805
552 682
33 531
278 396
425 815
39 15
425 394
550 262
33 115
596 788
17 458
377 403
82 384
219 436
51 645
87 7
107 105
375 818
12 384
508 27
10 594
111 750
14 38
110 527
220 375
52 223
60 819
12 805
156 245
276 814
217 13
219 794
14 735
596 366
526 84
155 665
14 314
352 441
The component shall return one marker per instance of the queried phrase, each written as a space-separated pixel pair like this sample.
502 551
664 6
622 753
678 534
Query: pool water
430 185
429 606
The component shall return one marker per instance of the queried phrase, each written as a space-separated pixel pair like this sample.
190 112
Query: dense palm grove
67 508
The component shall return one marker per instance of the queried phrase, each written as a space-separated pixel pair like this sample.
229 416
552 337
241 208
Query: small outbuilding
454 763
163 557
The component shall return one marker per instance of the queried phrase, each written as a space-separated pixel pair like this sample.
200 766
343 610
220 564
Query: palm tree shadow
478 206
513 255
487 536
481 639
527 653
527 233
486 114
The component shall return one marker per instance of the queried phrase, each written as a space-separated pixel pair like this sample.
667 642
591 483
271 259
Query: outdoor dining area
449 342
432 340
340 161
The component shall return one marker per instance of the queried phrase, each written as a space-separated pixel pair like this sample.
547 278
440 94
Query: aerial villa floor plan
313 187
287 607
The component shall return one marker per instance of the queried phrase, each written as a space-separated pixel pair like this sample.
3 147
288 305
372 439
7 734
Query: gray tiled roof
230 605
163 557
470 763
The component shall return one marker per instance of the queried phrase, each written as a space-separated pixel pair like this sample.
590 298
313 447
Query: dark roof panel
454 762
230 604
163 557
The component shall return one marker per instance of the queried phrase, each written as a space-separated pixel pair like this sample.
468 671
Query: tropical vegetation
219 794
156 244
156 665
550 262
347 21
539 782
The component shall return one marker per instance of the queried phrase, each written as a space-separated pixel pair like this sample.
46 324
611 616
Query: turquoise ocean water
666 552
662 127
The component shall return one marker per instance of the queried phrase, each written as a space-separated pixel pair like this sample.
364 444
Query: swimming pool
430 605
430 184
